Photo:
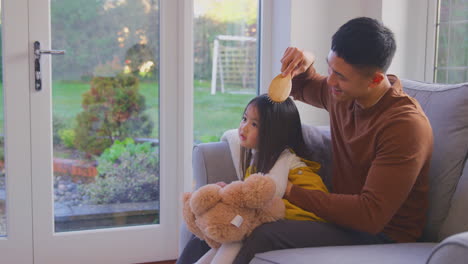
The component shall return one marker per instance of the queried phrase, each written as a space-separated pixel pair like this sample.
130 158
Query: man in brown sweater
382 144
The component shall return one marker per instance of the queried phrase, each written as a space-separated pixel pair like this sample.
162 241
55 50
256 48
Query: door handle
37 62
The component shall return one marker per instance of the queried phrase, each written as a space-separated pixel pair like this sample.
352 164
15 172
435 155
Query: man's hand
296 61
288 189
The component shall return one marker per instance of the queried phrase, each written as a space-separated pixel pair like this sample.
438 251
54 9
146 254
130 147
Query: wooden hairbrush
280 88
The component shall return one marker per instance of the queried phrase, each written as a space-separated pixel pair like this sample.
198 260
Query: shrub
128 172
67 136
112 109
58 123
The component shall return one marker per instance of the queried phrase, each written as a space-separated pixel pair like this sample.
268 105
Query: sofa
445 236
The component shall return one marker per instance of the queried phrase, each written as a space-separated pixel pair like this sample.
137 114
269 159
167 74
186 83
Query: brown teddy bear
227 214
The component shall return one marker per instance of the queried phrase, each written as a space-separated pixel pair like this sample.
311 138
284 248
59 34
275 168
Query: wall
313 22
409 20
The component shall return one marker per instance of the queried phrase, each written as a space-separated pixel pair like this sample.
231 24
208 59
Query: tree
112 109
95 33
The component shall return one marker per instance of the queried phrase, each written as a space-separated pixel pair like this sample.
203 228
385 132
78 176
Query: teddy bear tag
237 220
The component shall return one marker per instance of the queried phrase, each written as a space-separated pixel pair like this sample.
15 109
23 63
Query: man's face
345 81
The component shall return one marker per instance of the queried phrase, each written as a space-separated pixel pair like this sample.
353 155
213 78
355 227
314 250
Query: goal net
234 64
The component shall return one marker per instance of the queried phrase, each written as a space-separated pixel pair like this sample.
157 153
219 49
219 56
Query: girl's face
248 128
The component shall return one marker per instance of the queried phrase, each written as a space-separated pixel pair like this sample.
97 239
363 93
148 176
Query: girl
271 142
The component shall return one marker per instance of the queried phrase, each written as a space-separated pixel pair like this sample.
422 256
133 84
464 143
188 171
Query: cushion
453 250
381 254
220 167
318 142
446 106
457 218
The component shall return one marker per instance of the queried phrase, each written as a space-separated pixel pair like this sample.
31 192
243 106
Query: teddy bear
227 214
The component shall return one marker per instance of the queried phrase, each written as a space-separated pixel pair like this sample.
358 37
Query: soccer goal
234 63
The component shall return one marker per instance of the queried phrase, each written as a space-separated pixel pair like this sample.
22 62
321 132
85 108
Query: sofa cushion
318 142
446 106
453 250
457 218
389 253
220 167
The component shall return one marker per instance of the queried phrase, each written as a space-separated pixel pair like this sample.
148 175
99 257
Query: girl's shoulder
299 162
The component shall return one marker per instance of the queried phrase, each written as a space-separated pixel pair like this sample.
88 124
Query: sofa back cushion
211 163
318 142
446 106
457 218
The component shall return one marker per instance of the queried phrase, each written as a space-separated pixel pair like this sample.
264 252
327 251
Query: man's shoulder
406 121
404 107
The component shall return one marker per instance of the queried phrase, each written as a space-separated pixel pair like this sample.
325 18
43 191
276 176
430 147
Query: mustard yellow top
304 177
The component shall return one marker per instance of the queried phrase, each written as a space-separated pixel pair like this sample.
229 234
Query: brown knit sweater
381 160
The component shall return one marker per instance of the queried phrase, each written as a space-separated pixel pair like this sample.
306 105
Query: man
382 145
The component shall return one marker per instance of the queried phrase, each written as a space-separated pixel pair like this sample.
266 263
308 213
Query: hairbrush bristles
280 88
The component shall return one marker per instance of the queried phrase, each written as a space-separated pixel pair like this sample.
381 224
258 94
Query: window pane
2 145
441 76
444 11
105 113
442 45
457 76
452 42
458 49
459 10
225 64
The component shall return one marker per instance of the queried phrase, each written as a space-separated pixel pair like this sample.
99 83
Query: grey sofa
445 238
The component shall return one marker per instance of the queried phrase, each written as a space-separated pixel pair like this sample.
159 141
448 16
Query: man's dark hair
365 43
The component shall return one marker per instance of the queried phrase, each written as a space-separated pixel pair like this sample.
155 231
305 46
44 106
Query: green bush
58 123
111 155
128 172
67 136
113 108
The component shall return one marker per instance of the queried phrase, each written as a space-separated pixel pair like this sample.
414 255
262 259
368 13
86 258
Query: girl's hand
221 184
296 61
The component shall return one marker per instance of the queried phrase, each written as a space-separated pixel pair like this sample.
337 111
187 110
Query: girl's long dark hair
280 128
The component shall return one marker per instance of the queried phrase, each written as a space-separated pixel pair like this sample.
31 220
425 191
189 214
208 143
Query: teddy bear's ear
258 190
205 198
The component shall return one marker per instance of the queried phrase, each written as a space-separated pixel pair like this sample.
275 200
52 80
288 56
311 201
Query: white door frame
16 247
127 244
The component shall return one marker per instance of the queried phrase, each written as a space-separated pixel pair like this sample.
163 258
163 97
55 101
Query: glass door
103 155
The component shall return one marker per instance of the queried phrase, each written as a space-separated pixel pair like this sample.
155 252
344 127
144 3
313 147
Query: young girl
270 141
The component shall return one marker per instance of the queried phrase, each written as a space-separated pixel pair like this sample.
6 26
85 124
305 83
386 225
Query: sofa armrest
212 163
453 249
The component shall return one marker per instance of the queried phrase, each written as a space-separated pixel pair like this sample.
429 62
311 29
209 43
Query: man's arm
311 88
400 157
307 85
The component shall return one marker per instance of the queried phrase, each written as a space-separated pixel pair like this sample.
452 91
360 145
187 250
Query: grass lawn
213 114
